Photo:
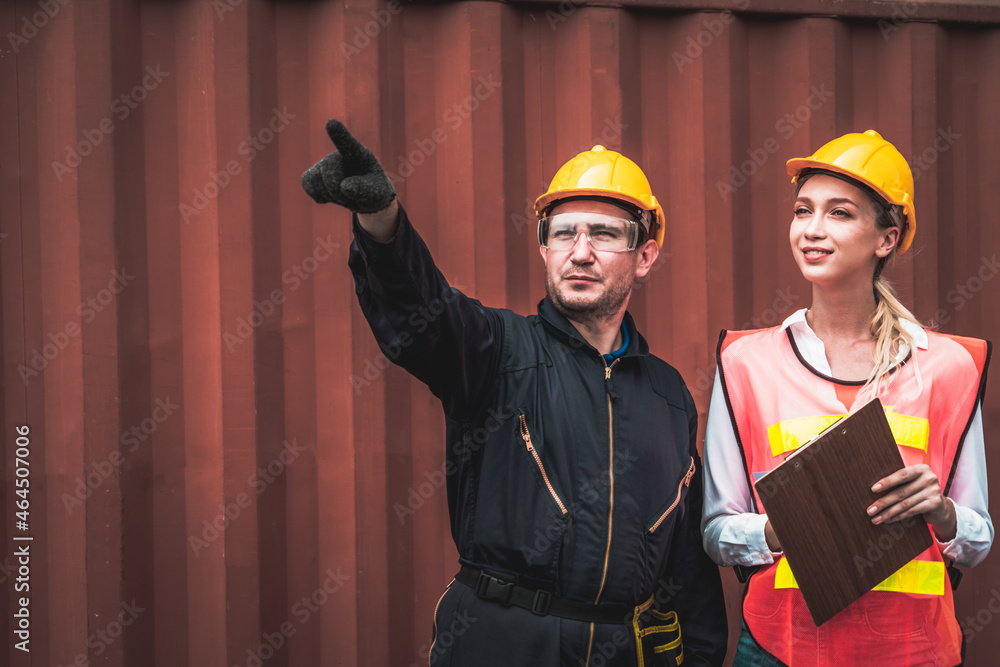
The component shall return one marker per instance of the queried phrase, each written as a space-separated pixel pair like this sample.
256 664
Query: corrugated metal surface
223 470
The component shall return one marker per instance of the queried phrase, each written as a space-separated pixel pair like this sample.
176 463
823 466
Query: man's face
588 284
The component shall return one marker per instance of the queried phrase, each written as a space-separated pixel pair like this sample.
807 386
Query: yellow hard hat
603 173
870 159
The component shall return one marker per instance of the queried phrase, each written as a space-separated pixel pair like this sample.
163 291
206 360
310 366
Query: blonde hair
887 330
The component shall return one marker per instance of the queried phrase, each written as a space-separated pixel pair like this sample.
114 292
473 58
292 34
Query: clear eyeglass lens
605 233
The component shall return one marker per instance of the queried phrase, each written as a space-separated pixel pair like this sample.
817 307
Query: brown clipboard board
817 499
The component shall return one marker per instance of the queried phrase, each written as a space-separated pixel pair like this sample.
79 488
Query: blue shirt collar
609 358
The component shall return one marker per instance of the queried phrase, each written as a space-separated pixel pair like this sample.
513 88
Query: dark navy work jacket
597 508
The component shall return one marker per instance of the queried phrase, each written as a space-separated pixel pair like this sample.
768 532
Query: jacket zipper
686 481
611 474
538 461
611 479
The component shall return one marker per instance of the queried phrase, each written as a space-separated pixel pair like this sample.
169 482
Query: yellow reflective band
922 577
909 431
791 434
783 577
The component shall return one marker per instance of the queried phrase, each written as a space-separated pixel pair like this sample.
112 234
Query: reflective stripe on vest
919 577
789 435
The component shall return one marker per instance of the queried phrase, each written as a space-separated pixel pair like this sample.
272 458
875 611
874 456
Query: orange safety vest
777 402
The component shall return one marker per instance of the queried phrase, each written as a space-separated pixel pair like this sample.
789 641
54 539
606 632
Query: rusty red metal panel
894 11
969 293
100 278
337 428
355 95
12 341
236 283
276 492
133 341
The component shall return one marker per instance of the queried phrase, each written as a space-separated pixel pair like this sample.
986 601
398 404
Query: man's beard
606 306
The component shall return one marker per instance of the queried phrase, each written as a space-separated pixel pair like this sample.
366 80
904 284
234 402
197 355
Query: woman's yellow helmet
870 159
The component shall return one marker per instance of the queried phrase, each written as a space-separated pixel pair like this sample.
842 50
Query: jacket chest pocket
521 513
525 434
665 514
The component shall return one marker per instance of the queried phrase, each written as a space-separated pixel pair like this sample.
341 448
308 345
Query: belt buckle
482 584
504 592
540 605
491 588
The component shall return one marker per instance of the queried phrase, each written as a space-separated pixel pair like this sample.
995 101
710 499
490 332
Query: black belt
540 601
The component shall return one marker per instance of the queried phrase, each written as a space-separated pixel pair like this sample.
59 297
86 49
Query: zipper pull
524 431
607 381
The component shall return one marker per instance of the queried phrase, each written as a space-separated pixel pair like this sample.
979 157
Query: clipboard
817 500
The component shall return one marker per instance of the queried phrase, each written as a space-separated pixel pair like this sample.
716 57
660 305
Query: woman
776 387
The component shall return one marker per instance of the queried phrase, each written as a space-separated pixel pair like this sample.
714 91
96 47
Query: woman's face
834 237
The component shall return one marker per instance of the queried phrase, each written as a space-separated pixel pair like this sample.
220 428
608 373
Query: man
574 486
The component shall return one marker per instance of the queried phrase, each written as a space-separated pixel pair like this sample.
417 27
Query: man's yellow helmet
605 174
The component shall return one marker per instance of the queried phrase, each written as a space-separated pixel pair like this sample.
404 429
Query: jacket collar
569 335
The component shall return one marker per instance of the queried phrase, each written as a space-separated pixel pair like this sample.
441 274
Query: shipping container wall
223 468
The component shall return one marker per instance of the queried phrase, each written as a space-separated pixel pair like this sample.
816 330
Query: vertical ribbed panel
217 446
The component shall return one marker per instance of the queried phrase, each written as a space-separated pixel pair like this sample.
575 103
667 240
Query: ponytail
887 331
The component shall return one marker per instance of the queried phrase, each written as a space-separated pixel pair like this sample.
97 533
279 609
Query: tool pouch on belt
657 637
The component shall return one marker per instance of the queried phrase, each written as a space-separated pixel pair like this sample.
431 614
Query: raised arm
445 339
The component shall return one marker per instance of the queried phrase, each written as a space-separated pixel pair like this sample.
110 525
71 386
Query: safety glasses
604 232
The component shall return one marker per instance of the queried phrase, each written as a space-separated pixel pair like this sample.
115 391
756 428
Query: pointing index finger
345 142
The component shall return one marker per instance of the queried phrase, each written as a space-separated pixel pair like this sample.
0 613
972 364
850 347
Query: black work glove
351 177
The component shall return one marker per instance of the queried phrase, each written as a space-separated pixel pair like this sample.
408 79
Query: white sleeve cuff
973 537
743 541
757 538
